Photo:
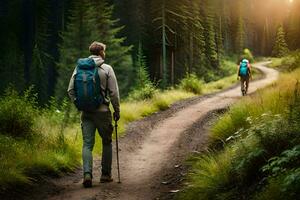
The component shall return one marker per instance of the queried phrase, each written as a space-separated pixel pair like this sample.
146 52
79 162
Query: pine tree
280 48
76 39
142 77
211 47
91 21
106 31
11 54
38 74
199 60
40 57
219 39
293 29
240 36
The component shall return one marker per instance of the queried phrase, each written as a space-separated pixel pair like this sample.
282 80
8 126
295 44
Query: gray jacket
108 80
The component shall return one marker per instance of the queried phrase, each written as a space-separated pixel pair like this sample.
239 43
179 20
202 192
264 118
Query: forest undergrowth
46 141
254 147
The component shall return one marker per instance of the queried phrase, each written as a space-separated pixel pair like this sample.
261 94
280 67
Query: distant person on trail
92 87
244 74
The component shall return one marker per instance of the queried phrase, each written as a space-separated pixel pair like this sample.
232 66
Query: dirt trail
153 146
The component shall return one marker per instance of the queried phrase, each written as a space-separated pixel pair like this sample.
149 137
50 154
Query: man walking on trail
92 87
244 74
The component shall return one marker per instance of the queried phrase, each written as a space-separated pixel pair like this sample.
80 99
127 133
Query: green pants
90 121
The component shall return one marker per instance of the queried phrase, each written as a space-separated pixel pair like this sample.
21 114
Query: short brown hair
96 47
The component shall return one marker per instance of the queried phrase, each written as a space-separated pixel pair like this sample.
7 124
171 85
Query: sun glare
291 1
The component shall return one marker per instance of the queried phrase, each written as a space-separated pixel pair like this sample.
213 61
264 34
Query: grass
220 84
203 184
134 110
258 158
48 152
24 161
287 63
191 83
55 141
269 101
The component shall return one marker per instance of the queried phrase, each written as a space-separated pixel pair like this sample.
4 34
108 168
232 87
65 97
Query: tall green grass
51 142
191 83
273 100
29 154
134 110
260 157
287 63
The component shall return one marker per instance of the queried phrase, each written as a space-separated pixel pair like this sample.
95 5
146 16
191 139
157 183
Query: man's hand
116 116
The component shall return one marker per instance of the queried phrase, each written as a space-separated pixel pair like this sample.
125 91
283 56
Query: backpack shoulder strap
106 75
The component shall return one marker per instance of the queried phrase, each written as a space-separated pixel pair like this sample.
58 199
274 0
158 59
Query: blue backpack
244 68
88 96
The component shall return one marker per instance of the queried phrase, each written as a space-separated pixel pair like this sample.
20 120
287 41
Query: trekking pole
117 147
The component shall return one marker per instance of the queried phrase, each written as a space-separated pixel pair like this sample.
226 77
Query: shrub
261 154
285 186
287 63
17 113
191 83
279 164
211 177
142 93
248 55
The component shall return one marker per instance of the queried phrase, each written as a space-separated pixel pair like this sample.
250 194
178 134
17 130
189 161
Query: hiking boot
243 92
106 179
87 180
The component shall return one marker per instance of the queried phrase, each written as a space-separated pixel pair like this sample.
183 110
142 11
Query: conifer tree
211 47
38 74
293 29
11 54
91 21
219 39
40 58
280 47
240 36
142 77
76 39
106 31
200 60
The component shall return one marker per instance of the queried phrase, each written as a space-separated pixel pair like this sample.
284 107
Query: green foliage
196 34
288 159
134 110
145 92
280 48
238 166
272 101
191 83
227 67
240 36
91 21
210 40
248 55
284 186
287 63
30 141
144 88
211 177
260 158
17 113
218 85
24 161
143 77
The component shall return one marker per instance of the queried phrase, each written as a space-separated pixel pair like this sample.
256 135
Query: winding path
145 155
